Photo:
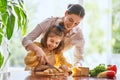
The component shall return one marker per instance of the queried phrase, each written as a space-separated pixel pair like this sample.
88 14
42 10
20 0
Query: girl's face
71 20
53 42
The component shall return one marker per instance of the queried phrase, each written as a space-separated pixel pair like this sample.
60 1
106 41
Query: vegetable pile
102 71
100 68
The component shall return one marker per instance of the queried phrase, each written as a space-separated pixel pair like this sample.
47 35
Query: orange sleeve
31 60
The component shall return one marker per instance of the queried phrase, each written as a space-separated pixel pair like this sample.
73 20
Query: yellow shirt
57 59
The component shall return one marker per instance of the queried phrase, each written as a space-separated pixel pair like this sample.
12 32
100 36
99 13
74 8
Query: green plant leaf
20 3
17 11
0 38
24 21
3 5
4 2
1 59
4 18
10 26
1 31
24 29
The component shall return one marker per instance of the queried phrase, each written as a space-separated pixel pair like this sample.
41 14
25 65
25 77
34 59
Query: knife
51 66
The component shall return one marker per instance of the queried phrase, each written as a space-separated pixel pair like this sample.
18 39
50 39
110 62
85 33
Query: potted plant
12 15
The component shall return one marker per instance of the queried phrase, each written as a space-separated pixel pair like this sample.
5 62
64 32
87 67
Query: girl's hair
54 31
76 9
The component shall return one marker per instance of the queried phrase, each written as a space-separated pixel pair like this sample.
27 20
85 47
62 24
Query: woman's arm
37 31
78 42
27 41
78 56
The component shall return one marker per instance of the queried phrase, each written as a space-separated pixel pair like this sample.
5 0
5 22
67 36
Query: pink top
74 37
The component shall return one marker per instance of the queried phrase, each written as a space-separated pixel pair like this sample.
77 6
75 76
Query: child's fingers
46 59
42 60
64 68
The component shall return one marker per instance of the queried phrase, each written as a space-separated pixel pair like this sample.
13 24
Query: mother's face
71 20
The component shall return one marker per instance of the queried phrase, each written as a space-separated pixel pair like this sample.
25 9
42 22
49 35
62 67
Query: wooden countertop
26 75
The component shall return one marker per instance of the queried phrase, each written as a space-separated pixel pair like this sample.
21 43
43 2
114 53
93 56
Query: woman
74 37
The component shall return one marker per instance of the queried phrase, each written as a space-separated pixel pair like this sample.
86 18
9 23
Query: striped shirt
73 38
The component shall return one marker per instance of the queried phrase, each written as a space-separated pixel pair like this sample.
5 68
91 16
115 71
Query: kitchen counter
26 75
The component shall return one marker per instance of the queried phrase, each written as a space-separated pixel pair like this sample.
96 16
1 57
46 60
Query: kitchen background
101 28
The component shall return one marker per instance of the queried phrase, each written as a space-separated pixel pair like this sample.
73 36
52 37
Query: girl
52 43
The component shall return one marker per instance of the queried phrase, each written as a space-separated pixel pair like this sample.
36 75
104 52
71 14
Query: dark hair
76 9
54 31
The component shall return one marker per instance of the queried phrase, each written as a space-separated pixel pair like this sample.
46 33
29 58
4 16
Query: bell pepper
113 68
110 74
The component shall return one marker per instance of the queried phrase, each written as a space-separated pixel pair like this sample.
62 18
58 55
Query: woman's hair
54 31
76 9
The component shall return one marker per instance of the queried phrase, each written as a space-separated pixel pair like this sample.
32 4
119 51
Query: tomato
113 68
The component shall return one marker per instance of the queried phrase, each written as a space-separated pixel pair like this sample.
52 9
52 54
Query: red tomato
110 74
113 68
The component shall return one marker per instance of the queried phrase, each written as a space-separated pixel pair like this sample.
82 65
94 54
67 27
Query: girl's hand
39 52
41 56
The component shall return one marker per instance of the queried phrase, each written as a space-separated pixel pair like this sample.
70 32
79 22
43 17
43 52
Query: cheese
84 71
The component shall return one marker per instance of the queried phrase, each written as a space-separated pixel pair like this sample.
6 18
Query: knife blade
51 66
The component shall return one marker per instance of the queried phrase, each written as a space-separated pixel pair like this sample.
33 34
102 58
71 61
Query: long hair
54 31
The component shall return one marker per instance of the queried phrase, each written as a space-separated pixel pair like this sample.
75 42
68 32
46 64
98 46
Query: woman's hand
64 68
